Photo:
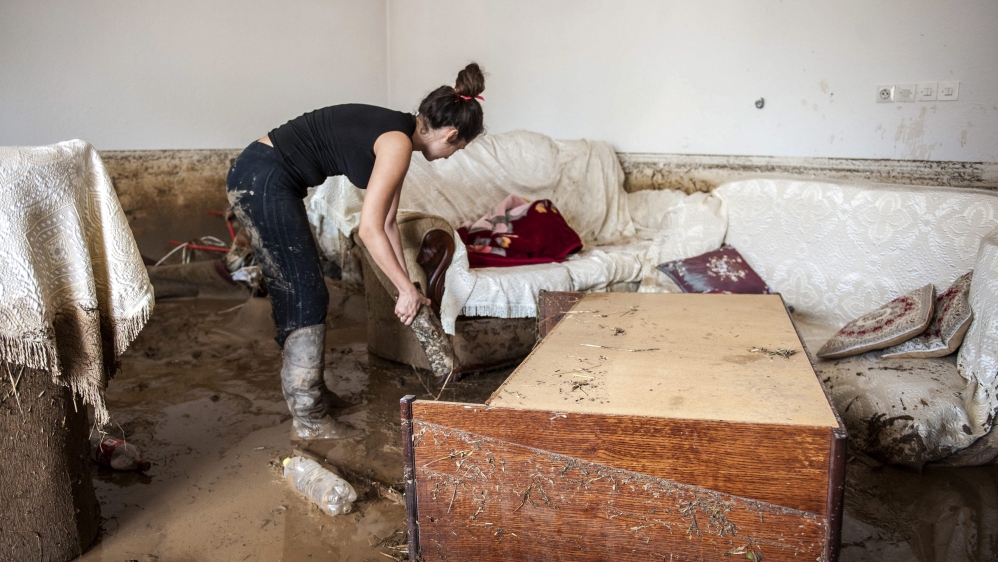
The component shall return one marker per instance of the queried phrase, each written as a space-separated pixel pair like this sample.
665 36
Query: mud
199 392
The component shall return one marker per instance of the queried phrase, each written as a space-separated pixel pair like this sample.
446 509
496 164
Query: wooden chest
642 427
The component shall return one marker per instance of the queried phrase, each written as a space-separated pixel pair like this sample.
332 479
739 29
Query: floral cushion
899 320
945 333
720 271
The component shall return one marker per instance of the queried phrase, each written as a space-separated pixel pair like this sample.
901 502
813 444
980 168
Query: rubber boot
305 390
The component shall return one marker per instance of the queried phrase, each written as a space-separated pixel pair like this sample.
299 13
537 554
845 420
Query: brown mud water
200 394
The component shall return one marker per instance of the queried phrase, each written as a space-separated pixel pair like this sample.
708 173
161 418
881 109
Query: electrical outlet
949 91
927 91
885 94
905 93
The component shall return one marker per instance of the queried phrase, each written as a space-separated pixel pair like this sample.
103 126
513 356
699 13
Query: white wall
646 75
181 73
682 76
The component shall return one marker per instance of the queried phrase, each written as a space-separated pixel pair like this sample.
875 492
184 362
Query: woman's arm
392 152
392 230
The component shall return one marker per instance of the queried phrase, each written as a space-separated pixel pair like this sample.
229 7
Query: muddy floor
199 393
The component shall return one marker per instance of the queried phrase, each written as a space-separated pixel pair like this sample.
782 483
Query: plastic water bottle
331 493
112 452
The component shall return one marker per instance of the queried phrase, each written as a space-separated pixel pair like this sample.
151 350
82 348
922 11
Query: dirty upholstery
413 226
837 251
625 235
74 292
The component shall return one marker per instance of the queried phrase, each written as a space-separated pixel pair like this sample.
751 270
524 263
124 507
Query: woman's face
438 143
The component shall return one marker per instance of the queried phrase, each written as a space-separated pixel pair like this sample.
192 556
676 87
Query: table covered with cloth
74 292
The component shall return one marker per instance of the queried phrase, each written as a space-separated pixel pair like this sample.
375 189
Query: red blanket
519 232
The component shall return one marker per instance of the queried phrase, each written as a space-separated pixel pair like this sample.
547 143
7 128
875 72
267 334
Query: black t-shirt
337 140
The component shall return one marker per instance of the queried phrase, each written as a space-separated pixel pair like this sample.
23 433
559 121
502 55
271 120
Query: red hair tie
467 97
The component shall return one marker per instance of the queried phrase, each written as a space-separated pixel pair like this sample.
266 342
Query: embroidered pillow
949 324
899 320
720 271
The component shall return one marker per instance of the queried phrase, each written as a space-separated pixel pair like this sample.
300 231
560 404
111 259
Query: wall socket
923 91
885 94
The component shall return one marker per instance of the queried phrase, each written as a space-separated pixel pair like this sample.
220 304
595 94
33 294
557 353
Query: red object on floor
220 249
232 232
518 232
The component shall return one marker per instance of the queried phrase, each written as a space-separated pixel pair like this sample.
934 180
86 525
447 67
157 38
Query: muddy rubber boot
435 343
304 389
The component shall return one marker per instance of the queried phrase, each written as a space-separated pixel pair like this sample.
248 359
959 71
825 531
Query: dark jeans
268 203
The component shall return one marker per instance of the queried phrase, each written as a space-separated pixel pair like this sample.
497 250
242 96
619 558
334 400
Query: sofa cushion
901 411
899 320
950 319
719 271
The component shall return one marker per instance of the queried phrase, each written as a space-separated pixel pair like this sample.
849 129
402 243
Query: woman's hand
408 304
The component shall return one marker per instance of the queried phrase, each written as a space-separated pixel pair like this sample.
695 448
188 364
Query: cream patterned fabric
951 318
836 252
582 178
73 290
978 357
626 235
902 411
680 226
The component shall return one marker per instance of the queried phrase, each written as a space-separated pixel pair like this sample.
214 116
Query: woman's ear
452 136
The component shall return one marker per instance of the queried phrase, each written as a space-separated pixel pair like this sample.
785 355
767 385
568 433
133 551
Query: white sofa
833 251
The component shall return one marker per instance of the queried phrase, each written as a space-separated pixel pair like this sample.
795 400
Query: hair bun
470 81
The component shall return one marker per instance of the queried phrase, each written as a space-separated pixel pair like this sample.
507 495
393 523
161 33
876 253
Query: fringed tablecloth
74 292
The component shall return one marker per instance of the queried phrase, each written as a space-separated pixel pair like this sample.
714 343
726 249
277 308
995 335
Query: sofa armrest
435 255
428 247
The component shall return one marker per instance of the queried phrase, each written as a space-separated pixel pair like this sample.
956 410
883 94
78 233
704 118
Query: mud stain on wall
910 137
697 172
166 194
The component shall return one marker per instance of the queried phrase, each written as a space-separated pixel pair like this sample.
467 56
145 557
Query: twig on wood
618 348
781 352
453 496
526 494
455 454
13 387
